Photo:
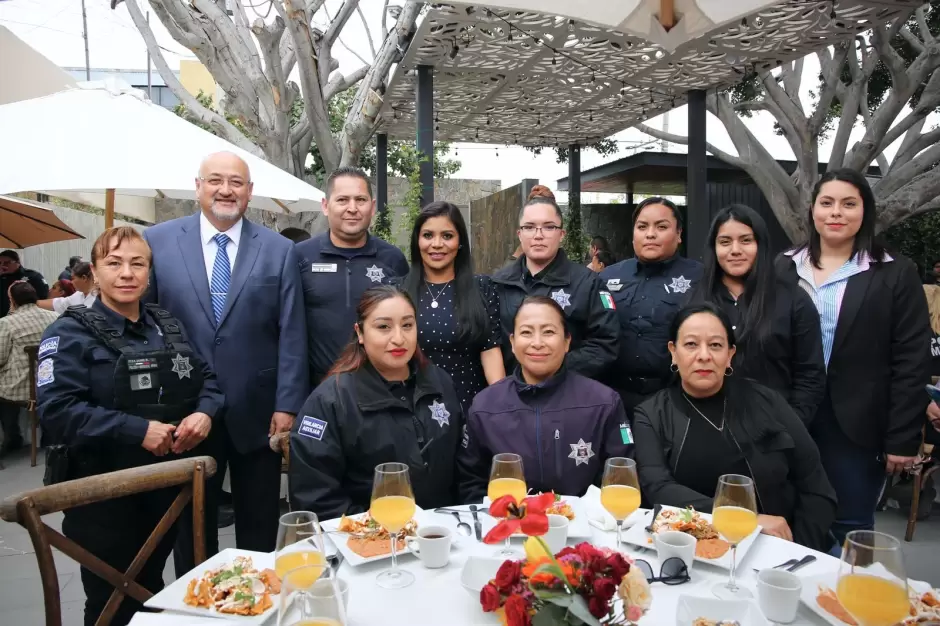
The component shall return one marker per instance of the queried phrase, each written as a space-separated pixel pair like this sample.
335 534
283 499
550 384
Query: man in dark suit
236 288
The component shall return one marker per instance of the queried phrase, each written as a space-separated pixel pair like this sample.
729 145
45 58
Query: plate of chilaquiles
710 547
361 539
819 594
237 585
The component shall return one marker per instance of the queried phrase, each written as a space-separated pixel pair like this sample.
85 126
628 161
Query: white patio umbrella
106 144
24 73
667 23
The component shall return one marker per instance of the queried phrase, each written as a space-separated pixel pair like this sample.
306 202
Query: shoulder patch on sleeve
44 374
465 441
312 427
607 300
48 347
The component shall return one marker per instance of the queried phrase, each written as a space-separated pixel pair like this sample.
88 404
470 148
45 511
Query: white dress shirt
210 248
60 304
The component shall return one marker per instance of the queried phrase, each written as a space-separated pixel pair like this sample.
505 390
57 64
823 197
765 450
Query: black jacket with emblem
357 420
334 279
780 455
648 296
591 319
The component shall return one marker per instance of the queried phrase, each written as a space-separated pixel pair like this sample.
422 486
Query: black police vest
161 385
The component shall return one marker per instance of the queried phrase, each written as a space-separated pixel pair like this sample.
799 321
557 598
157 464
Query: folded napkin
597 515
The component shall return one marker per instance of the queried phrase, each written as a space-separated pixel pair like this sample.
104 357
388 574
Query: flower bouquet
579 585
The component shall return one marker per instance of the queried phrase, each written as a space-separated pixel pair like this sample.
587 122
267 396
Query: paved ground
21 590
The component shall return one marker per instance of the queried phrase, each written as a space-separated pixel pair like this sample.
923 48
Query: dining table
437 596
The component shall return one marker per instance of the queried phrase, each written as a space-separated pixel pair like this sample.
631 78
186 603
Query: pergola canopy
526 78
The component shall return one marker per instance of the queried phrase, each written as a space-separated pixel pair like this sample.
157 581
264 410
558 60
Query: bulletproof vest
162 385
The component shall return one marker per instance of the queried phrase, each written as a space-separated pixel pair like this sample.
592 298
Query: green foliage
412 199
206 101
604 147
382 225
917 238
576 242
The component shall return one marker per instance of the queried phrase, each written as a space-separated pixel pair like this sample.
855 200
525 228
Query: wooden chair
922 471
32 353
27 508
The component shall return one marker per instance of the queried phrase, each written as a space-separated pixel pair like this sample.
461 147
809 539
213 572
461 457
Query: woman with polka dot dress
458 313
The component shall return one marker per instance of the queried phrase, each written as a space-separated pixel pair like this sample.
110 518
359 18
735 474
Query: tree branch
751 105
339 22
203 114
914 142
883 164
340 83
831 69
384 22
921 15
903 175
684 141
851 100
368 32
910 199
792 80
912 39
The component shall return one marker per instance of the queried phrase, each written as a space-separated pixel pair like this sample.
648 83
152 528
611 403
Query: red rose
490 598
605 588
587 552
618 566
597 607
508 575
517 612
566 551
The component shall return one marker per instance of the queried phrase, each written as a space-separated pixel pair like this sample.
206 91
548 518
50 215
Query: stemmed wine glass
307 599
872 581
393 506
734 515
299 543
507 479
620 490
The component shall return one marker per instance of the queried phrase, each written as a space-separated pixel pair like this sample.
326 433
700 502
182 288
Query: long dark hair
760 284
865 240
354 355
472 320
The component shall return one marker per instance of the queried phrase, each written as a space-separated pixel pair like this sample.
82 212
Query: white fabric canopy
82 141
694 18
24 73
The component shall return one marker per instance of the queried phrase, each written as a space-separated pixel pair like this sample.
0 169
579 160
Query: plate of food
819 595
361 539
567 506
238 585
695 611
710 547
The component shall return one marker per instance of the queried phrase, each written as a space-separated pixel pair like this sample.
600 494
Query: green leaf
561 600
579 609
549 615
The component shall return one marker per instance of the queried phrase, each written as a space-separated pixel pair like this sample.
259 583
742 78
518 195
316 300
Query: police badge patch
375 273
44 374
440 414
581 452
181 366
680 284
563 299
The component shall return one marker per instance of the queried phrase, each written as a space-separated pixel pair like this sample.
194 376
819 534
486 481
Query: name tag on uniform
323 268
613 284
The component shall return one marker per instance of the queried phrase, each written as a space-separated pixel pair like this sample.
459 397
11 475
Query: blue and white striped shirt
828 296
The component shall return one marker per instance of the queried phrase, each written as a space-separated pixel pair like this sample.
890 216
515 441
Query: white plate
638 536
424 518
811 586
171 598
578 528
691 608
477 572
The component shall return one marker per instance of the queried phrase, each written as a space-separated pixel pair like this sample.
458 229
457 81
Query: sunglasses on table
673 571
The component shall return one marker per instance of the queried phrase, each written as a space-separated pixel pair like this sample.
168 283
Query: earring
729 371
673 368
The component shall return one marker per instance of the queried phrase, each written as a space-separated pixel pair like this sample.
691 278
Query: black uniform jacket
783 462
588 308
357 420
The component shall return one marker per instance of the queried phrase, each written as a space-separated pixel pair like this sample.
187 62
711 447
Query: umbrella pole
109 209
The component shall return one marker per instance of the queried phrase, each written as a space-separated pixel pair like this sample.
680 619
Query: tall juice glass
393 506
620 490
507 478
309 599
872 581
734 515
299 543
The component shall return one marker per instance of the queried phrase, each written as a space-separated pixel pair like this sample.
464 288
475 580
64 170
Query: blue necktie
221 276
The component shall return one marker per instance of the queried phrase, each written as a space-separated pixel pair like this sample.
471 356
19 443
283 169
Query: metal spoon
463 528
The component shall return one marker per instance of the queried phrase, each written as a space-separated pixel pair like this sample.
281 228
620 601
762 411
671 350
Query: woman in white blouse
85 291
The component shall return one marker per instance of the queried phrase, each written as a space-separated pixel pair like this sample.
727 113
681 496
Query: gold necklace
724 405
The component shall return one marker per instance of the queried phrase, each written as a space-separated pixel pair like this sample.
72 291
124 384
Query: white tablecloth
437 597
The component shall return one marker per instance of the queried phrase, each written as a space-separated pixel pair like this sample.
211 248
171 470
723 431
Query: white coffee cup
557 535
432 545
677 544
778 594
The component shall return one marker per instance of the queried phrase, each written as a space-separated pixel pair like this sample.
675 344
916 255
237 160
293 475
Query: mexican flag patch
607 300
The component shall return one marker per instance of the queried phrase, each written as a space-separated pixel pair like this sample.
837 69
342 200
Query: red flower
517 611
618 566
605 588
490 598
508 575
598 607
587 552
529 517
566 551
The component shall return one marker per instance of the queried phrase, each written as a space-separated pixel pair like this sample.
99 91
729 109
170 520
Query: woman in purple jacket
563 425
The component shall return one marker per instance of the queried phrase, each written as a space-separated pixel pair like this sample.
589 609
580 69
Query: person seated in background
564 426
84 291
11 271
61 288
381 402
711 423
601 260
598 244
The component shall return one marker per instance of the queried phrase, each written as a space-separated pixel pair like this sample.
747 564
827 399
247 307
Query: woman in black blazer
775 324
876 337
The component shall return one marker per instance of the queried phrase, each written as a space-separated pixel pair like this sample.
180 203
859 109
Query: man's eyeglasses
672 572
218 181
546 229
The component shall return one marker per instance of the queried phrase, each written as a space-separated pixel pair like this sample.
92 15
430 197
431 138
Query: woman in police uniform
119 386
381 402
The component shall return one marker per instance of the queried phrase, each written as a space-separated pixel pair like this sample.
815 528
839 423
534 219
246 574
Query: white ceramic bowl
691 608
477 572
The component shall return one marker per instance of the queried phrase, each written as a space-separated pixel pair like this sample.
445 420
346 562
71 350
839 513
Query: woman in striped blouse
876 337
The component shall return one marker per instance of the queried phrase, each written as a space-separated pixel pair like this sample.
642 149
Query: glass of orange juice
507 478
620 490
393 506
309 599
734 516
299 543
872 583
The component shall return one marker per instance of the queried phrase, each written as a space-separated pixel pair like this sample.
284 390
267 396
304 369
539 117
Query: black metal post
573 227
696 193
424 106
381 171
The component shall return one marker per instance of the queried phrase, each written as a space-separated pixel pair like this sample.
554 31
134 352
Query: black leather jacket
782 458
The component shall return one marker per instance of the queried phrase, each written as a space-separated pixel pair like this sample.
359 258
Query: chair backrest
28 507
32 353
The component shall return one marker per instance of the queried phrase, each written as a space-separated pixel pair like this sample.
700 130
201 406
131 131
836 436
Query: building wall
195 78
493 225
